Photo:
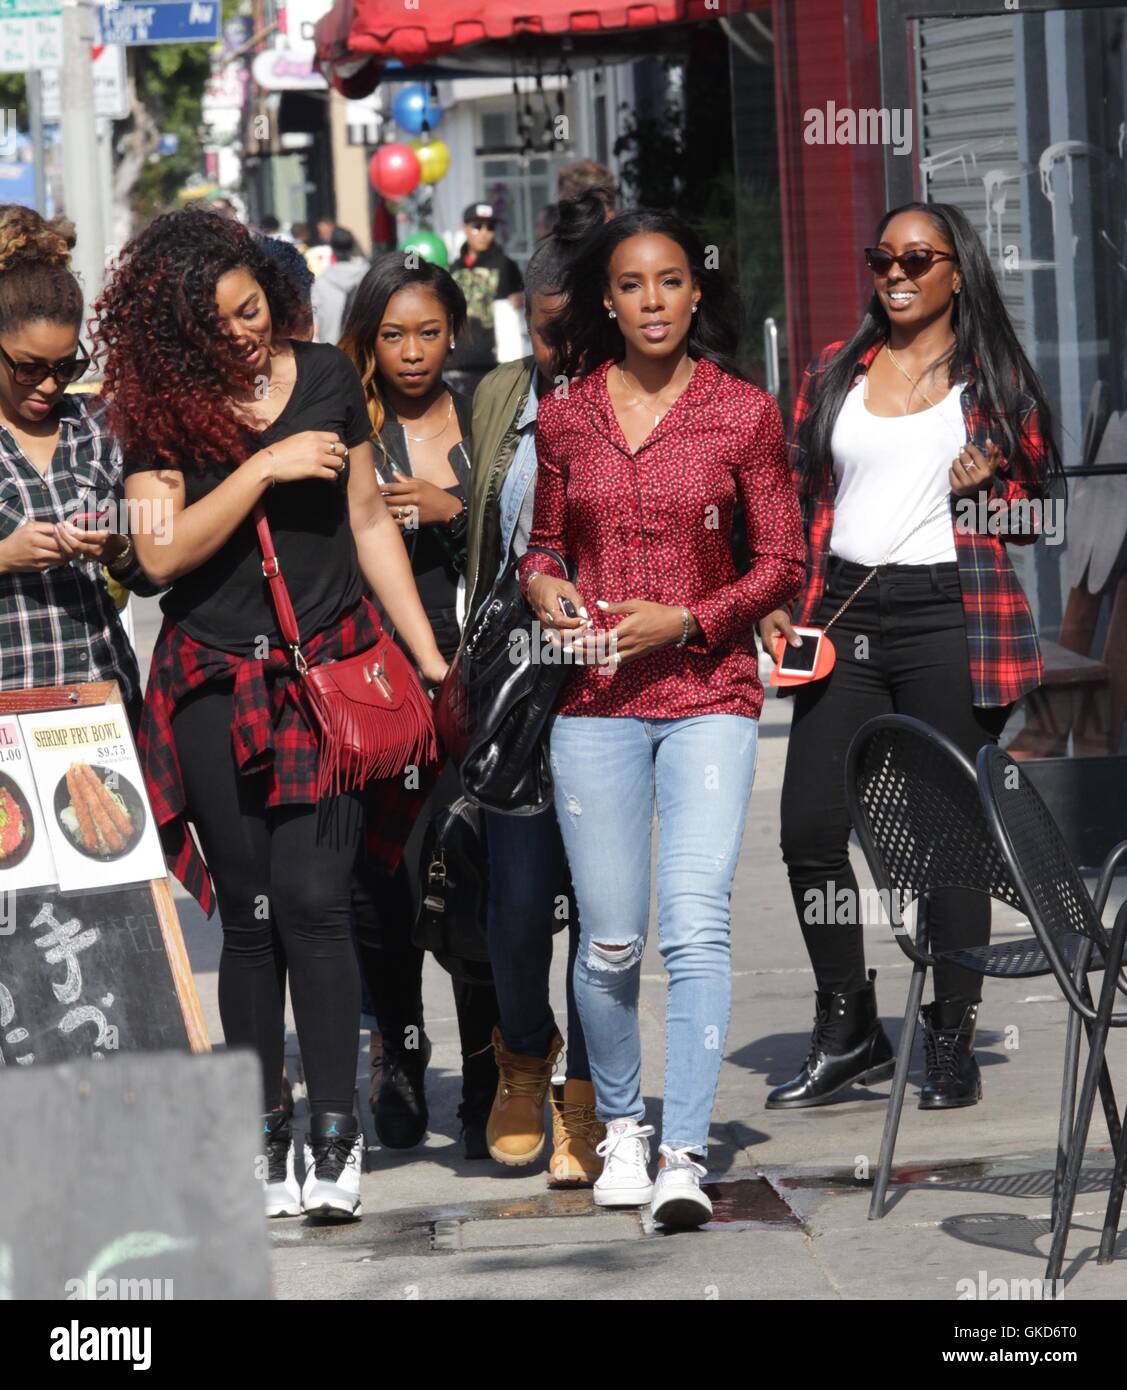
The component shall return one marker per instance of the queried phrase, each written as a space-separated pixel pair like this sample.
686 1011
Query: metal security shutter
967 148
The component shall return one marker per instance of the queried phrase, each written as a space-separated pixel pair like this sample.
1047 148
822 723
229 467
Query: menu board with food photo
90 788
26 860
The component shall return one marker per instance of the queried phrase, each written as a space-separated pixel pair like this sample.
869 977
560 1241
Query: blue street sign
160 21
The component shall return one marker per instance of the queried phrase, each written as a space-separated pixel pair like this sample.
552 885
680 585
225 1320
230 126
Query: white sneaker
624 1181
280 1185
678 1199
333 1155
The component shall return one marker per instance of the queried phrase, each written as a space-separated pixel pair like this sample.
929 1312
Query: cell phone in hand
568 608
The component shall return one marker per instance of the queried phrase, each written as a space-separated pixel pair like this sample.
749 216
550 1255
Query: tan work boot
575 1133
515 1131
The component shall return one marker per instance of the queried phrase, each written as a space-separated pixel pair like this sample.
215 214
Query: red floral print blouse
657 525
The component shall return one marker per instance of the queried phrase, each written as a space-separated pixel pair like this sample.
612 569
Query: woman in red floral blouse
927 421
642 463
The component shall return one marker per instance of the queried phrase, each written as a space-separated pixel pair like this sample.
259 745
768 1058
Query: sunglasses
481 226
914 263
65 370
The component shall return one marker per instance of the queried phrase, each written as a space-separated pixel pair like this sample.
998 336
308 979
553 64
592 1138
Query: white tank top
890 473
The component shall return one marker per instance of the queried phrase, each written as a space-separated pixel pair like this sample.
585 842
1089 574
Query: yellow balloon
433 157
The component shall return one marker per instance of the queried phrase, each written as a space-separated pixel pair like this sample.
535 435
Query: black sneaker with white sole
283 1195
334 1151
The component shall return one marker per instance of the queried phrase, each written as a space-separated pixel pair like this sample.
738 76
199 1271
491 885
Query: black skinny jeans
913 661
283 882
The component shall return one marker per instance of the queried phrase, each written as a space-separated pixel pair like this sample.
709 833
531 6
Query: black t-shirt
492 276
225 603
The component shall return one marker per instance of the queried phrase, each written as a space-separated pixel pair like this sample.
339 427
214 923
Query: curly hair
170 370
36 281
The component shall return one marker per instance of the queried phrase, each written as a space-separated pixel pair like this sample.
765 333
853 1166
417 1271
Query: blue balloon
413 106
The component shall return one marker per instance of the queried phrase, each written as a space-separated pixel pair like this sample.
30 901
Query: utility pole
83 194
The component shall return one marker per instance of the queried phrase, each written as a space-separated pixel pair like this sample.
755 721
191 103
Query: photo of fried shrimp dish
99 810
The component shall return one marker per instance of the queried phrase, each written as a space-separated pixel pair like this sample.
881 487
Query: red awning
448 38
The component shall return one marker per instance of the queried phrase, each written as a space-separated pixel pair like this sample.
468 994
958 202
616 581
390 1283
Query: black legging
912 660
283 882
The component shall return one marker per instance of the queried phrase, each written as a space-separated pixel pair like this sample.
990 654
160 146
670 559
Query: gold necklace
904 372
423 438
636 400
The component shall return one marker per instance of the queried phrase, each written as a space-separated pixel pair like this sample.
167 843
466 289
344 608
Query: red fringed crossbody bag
372 713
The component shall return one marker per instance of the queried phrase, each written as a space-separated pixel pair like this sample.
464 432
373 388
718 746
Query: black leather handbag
453 887
496 699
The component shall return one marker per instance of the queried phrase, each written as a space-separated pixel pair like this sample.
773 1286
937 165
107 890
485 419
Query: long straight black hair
986 350
584 336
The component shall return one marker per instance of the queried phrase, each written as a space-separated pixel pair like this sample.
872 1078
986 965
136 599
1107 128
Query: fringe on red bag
361 743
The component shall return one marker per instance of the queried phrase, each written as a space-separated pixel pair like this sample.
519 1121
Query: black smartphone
569 610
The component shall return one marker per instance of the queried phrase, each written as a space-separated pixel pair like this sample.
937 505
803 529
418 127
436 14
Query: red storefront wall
832 195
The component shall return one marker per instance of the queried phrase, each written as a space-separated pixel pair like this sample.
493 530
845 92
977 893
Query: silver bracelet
684 628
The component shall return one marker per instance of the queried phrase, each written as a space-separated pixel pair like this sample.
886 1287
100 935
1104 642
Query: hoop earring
611 314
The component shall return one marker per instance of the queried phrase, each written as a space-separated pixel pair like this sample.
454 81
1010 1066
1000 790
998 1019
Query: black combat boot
479 1086
848 1048
401 1107
953 1078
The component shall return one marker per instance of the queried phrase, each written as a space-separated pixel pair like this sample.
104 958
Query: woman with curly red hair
219 408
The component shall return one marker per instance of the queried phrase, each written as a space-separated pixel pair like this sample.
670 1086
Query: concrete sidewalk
970 1199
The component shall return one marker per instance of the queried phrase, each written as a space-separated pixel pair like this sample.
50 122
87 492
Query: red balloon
394 171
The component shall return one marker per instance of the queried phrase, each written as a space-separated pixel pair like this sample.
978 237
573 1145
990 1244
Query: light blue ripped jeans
608 774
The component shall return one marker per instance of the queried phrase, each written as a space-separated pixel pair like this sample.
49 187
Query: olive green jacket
497 406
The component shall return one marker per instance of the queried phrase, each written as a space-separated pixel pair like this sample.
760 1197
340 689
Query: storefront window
1020 121
518 185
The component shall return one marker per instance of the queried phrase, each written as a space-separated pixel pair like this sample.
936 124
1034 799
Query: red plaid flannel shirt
1005 658
271 736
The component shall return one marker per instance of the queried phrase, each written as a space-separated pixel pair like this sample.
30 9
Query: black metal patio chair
913 800
1067 922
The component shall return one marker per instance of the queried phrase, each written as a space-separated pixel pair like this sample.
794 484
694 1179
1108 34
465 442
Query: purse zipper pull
374 675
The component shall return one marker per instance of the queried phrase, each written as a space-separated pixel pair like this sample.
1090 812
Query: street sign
111 100
161 21
28 9
31 42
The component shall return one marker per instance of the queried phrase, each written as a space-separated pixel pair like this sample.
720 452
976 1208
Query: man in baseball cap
484 274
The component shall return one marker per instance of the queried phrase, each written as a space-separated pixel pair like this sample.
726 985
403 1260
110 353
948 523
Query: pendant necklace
423 438
635 400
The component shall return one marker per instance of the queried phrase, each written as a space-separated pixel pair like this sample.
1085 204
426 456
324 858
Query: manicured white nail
601 603
583 612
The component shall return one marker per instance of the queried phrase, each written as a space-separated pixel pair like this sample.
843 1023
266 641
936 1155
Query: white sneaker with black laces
334 1150
677 1196
283 1195
625 1179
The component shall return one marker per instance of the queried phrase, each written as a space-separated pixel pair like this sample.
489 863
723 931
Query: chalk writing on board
62 943
17 1035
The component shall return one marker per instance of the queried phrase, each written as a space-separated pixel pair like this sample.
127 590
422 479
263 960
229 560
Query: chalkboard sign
83 974
92 973
136 1179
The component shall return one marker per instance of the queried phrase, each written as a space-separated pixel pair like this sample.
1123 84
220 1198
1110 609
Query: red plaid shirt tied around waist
271 735
1005 658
